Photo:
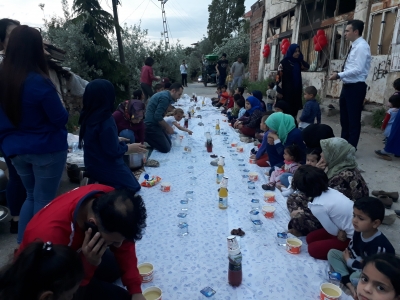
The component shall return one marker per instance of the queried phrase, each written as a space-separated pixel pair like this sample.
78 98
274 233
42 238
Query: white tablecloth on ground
185 265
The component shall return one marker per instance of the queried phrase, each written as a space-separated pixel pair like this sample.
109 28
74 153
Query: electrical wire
184 24
176 10
144 11
133 11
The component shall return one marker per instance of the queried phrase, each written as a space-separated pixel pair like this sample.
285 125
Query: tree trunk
119 39
118 32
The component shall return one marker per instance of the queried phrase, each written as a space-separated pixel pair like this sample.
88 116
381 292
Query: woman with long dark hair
147 77
42 271
15 191
290 89
32 121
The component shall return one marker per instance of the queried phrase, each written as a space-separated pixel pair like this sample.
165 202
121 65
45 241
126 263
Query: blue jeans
285 179
41 175
128 134
237 81
269 106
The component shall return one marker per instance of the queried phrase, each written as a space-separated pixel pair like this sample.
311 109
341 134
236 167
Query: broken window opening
381 30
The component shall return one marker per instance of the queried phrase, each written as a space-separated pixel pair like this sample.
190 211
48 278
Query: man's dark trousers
351 104
184 79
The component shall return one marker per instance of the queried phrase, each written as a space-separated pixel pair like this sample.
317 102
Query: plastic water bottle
334 278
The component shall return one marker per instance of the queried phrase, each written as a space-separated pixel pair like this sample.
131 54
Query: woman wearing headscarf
129 118
103 151
283 132
338 157
250 122
259 96
290 88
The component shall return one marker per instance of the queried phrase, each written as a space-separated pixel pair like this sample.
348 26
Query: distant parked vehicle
209 74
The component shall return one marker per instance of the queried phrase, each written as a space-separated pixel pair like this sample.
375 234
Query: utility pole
118 32
119 39
165 23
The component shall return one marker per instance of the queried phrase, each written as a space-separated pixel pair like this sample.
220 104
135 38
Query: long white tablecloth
185 265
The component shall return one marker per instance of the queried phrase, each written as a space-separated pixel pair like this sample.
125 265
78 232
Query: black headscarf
314 133
98 105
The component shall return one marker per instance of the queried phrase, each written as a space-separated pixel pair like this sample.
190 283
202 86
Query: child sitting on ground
239 107
159 87
215 100
239 90
368 214
391 114
281 106
271 96
175 119
229 101
311 110
380 268
292 158
313 157
224 96
261 155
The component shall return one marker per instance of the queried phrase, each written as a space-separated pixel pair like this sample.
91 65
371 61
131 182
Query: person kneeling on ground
157 130
103 150
105 224
368 214
250 122
42 271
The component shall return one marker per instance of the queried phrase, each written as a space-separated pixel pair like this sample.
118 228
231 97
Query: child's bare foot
352 290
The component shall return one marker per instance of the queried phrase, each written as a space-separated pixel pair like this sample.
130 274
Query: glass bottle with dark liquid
235 270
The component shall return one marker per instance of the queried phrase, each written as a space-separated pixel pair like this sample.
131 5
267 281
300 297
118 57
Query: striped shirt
360 248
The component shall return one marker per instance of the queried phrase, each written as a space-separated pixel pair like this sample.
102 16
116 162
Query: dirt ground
378 173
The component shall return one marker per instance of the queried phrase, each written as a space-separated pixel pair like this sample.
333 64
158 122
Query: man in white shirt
237 71
183 69
354 73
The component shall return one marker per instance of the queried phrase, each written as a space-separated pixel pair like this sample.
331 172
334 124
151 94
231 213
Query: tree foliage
91 57
224 19
238 45
97 22
204 47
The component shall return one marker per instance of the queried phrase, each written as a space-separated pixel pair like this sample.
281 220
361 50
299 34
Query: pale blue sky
187 19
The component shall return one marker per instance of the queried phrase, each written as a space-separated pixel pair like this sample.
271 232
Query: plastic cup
269 197
165 187
189 195
293 246
268 211
152 293
330 291
234 144
239 149
253 176
184 205
252 160
193 180
146 271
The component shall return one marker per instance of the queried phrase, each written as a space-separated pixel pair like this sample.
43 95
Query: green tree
237 45
224 19
98 23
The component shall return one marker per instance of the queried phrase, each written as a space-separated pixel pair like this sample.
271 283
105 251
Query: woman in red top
147 77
